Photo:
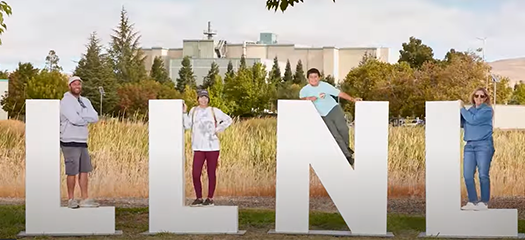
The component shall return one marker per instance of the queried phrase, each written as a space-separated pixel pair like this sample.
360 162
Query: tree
134 97
52 60
4 75
247 91
329 79
14 101
158 71
243 63
218 96
95 70
288 75
125 52
229 70
211 78
415 53
518 95
503 90
186 76
275 73
274 84
282 4
4 9
299 76
47 85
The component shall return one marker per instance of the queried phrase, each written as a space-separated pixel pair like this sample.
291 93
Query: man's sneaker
481 206
208 203
72 203
197 203
88 203
469 207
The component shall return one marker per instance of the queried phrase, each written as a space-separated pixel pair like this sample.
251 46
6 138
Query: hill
511 68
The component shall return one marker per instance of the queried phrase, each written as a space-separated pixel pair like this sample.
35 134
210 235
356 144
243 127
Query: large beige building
335 61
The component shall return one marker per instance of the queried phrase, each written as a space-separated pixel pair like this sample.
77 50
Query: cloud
64 25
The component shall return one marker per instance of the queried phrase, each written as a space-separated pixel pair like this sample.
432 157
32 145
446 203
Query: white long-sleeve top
204 127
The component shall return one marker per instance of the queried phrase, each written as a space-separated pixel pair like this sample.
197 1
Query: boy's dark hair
311 71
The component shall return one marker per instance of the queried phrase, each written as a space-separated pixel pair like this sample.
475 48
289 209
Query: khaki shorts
77 160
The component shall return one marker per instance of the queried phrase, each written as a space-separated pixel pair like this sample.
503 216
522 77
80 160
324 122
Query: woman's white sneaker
89 203
72 203
469 207
481 206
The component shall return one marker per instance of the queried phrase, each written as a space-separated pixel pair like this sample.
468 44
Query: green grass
134 221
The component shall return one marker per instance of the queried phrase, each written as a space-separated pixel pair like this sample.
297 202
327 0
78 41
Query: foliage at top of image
282 4
4 9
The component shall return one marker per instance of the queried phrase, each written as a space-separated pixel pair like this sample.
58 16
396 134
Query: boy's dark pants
336 123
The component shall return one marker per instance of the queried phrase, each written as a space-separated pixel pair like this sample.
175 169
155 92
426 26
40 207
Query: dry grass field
247 168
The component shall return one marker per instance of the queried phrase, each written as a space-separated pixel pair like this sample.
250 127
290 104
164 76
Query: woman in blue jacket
479 148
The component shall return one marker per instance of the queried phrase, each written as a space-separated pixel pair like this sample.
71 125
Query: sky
38 26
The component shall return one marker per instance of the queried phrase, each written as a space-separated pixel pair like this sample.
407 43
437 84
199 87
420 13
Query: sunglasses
479 96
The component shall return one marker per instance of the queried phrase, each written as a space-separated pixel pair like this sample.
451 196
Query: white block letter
444 216
167 210
360 195
44 216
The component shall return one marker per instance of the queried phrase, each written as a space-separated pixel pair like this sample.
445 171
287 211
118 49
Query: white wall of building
4 85
509 117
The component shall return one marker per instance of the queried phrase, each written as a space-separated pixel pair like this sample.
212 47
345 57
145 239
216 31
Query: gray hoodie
74 118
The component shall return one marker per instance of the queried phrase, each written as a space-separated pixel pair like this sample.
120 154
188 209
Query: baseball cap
72 79
203 93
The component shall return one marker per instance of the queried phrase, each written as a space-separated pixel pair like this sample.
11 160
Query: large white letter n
360 195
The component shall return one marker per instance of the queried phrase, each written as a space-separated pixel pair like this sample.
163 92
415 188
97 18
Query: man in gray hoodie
76 112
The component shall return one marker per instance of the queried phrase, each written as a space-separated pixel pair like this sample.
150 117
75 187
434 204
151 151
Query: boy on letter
332 114
76 112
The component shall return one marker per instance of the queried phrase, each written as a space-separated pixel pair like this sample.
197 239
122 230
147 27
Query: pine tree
211 78
52 60
299 76
94 68
126 55
243 63
186 76
158 71
275 73
288 75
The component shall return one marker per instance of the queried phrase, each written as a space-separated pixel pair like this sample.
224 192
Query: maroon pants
212 159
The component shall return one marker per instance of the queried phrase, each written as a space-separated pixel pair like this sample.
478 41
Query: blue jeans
478 154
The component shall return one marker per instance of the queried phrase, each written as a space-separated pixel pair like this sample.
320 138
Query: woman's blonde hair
485 92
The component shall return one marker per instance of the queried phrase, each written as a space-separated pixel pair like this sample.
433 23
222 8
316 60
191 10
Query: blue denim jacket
477 123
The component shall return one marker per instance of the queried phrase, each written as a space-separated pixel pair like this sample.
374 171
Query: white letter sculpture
167 210
444 217
44 215
360 195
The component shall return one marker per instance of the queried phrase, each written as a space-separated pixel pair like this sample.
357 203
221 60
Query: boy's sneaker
89 203
197 203
72 203
469 207
481 206
208 202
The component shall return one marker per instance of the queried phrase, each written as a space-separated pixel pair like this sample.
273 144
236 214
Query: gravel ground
410 206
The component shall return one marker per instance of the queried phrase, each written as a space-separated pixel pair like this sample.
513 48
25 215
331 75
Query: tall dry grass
247 168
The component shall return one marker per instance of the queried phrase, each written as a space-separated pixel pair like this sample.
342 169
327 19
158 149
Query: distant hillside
511 68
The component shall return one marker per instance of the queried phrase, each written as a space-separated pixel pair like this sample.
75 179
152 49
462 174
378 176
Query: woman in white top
205 122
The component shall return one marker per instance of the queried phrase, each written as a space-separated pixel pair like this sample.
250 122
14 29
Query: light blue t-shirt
323 105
